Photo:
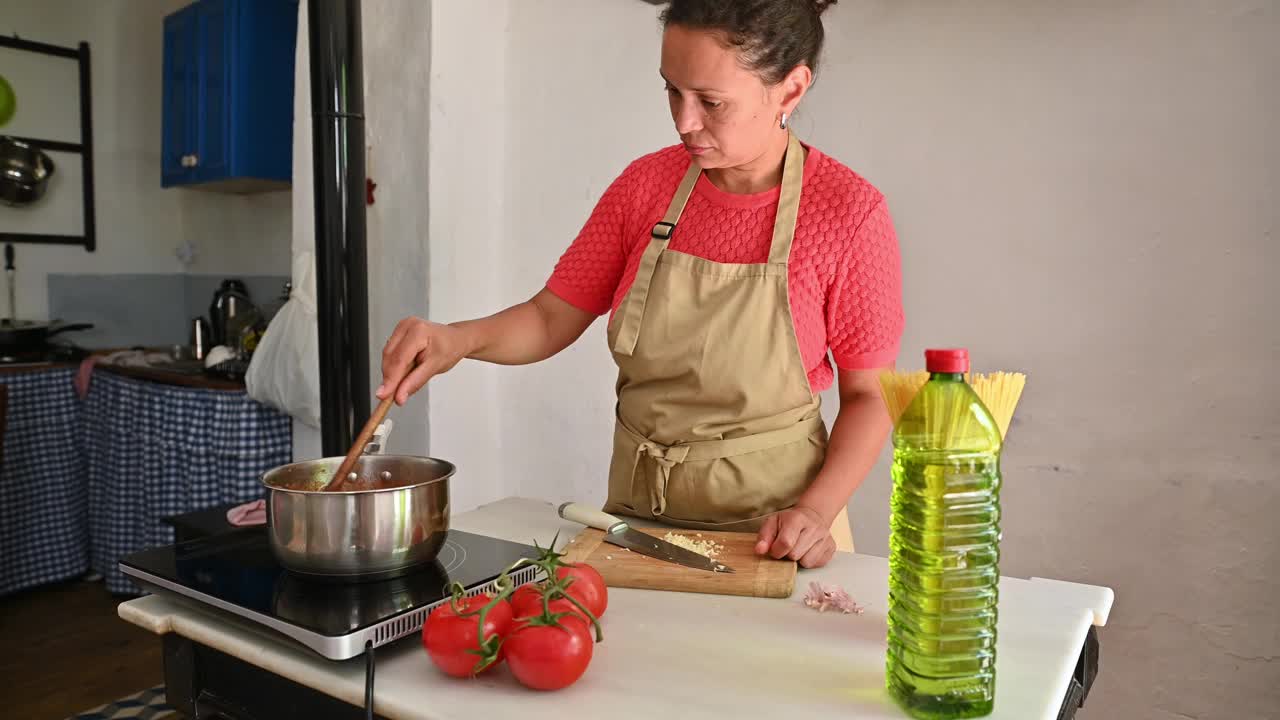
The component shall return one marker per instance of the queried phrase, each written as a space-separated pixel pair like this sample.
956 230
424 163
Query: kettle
230 301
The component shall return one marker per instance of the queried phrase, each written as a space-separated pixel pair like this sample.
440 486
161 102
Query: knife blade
618 532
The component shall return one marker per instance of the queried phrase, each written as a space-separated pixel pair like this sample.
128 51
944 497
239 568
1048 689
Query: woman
730 265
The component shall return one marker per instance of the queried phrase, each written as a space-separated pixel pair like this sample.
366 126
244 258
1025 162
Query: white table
678 655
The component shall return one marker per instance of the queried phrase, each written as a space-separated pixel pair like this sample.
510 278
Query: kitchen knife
618 532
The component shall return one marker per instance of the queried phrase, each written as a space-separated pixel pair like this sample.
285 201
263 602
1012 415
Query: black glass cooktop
236 572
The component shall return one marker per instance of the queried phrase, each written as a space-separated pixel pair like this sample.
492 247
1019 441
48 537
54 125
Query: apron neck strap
663 230
784 229
784 226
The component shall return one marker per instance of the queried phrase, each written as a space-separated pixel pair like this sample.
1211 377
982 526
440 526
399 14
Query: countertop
34 367
183 374
170 377
668 654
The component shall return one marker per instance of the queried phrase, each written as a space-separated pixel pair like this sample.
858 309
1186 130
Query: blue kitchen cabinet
178 137
228 95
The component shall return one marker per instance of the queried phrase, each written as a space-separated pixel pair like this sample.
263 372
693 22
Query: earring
783 123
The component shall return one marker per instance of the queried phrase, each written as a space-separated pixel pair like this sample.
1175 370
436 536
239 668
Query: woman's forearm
529 332
857 436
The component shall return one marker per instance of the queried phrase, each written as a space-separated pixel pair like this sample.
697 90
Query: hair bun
820 6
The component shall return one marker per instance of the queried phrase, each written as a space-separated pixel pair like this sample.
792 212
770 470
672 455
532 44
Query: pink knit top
845 274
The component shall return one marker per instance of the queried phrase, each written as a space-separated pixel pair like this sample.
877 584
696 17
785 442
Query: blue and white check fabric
43 501
158 450
148 704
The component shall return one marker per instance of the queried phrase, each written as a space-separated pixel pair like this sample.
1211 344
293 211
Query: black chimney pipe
337 114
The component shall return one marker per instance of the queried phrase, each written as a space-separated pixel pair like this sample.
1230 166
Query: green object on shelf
8 101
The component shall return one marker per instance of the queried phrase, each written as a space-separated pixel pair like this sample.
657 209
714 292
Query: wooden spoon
357 449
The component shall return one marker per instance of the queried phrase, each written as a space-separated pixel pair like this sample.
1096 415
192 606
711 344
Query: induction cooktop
236 573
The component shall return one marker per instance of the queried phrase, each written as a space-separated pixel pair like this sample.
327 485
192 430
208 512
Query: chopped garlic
831 597
708 548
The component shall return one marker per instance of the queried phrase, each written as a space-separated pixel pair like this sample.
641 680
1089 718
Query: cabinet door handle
186 161
195 161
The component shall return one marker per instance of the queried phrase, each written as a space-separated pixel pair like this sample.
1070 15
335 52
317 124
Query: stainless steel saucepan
395 520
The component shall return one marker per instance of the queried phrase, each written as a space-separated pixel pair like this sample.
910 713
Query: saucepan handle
600 520
377 444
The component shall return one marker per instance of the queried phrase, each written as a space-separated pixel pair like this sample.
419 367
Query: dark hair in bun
773 36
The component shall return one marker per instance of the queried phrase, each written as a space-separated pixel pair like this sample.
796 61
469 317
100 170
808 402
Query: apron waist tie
668 456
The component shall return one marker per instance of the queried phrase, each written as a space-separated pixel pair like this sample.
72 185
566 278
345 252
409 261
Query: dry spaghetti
999 392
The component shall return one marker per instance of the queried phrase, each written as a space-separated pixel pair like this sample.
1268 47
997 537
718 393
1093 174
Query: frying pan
16 334
31 334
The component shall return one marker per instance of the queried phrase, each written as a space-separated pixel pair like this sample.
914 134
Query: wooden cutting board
754 576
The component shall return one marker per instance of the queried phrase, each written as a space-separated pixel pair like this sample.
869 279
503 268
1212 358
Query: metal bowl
396 520
24 172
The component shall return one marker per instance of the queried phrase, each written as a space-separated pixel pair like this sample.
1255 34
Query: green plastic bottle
944 548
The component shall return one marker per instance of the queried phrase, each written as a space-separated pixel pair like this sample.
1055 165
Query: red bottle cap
949 360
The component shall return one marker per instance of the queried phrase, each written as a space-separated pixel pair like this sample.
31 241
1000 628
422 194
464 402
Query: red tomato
525 595
448 637
587 587
549 657
531 605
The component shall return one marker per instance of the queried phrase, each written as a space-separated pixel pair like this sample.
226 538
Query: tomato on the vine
525 596
549 656
531 605
587 587
452 641
543 630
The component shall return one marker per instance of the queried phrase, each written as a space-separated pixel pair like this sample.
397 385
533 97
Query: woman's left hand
797 533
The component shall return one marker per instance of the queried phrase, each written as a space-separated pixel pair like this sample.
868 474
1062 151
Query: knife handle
584 515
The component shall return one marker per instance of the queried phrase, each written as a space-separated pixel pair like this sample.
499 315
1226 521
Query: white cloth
285 370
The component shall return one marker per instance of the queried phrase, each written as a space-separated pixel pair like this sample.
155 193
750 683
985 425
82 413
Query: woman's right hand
431 347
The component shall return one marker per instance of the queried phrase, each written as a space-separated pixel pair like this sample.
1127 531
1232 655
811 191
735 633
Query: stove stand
201 683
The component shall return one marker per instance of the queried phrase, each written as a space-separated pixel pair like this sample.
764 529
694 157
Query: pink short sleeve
588 273
864 308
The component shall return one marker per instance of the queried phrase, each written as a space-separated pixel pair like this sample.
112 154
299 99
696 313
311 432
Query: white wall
306 439
468 245
580 109
1097 187
435 84
397 41
139 225
448 153
236 234
1086 194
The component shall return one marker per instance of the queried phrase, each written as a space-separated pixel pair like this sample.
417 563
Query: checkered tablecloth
157 450
43 500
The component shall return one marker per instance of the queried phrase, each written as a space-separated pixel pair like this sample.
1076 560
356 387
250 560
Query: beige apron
717 426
